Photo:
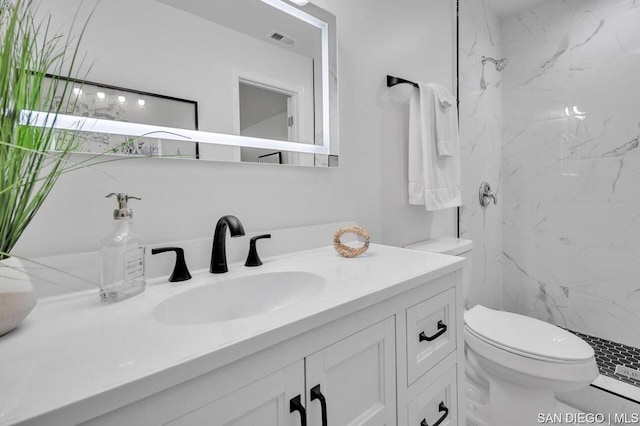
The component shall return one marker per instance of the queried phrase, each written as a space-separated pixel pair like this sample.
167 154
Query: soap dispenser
121 256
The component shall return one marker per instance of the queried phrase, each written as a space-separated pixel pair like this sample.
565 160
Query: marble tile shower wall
481 146
571 166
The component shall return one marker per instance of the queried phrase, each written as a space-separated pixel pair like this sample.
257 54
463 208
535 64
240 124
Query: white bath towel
446 119
434 181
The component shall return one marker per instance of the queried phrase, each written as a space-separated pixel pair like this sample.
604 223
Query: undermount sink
238 297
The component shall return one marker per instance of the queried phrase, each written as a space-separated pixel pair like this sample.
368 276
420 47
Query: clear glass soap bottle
121 256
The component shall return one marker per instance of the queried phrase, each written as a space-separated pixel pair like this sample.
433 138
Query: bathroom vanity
308 338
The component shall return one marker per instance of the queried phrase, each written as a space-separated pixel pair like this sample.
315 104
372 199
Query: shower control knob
485 194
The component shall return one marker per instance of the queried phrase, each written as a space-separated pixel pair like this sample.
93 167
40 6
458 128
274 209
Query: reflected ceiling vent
282 38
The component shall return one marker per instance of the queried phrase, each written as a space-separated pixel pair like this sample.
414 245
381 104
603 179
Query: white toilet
515 364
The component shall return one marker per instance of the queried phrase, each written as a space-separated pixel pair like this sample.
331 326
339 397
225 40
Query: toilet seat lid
526 335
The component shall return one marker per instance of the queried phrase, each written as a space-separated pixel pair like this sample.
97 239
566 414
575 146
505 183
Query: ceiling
510 7
256 19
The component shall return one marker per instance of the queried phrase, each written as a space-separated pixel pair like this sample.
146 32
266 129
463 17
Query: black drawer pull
316 394
442 408
442 328
296 405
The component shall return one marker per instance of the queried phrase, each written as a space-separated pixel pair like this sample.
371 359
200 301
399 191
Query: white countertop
72 351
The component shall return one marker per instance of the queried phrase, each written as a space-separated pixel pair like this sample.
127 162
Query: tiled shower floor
609 354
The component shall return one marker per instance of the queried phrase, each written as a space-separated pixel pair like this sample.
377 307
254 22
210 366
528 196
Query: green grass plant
29 50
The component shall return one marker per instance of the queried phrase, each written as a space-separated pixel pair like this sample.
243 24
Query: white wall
571 182
274 127
413 39
183 199
481 148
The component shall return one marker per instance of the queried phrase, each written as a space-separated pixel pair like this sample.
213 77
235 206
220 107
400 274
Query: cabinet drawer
431 333
436 405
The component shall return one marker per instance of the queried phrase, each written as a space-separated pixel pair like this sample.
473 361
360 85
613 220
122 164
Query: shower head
500 63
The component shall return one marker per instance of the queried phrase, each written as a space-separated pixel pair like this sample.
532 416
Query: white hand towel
446 119
433 180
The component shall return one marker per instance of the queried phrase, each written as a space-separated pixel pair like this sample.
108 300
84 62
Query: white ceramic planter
17 296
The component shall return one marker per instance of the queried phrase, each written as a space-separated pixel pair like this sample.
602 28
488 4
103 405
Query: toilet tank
452 246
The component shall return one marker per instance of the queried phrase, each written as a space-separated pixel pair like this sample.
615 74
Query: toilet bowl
515 363
525 361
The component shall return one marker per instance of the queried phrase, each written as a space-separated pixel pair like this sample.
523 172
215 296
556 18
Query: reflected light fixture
141 102
575 112
77 91
101 95
122 99
300 2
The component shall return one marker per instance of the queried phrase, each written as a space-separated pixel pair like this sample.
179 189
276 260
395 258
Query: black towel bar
392 81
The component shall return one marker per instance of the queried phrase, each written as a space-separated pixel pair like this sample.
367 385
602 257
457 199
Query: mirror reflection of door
267 112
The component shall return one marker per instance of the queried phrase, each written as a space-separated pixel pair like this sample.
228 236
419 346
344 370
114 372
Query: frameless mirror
231 80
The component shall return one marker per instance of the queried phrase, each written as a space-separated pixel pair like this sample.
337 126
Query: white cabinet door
356 378
265 402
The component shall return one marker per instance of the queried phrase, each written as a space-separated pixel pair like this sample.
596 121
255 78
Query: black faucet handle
253 259
180 270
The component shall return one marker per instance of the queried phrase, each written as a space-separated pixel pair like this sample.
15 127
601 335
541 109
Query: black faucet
218 252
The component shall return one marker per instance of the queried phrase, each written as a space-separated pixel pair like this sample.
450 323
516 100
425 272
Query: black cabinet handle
296 405
442 408
316 394
442 327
